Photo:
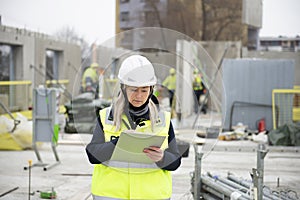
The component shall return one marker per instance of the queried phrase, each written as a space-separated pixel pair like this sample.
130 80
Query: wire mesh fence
288 103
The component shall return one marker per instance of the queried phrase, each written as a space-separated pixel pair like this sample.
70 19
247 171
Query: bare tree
69 34
222 20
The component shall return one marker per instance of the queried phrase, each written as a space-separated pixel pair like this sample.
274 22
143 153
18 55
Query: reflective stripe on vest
132 180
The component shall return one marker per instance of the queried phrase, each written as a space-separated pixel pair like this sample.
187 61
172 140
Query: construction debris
21 136
287 135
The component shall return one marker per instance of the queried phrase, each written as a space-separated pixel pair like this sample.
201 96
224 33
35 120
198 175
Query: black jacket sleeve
172 158
98 150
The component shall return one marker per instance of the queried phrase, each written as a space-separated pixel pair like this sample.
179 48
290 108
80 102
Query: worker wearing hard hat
170 84
133 109
199 91
90 78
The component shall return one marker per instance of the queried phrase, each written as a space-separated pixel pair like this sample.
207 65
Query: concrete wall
219 49
69 60
252 13
24 42
137 9
30 56
184 81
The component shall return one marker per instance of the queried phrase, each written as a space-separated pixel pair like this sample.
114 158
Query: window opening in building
5 62
51 65
124 16
8 91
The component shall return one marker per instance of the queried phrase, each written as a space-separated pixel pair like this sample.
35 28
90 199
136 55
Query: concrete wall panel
30 55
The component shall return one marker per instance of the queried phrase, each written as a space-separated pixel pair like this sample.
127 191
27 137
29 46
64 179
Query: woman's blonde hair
119 107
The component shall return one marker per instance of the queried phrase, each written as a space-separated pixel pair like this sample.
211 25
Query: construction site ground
71 179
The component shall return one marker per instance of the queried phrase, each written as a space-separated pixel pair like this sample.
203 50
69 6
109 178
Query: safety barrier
288 103
17 95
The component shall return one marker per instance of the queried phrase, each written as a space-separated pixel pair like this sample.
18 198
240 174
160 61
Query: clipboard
130 146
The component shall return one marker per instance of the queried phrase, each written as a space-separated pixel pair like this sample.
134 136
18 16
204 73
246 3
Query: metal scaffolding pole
239 181
229 192
258 174
197 175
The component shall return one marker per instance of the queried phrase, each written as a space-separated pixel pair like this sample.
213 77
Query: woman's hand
154 153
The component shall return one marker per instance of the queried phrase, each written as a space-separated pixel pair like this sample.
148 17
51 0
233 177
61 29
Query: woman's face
137 96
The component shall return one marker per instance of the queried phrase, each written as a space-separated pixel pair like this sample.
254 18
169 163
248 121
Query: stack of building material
231 187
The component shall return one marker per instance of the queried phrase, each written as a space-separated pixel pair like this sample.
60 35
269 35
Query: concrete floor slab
71 179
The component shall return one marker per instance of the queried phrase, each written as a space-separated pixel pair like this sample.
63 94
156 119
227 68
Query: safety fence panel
15 95
287 102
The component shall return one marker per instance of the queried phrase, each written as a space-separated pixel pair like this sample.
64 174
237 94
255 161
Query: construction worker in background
90 79
133 109
170 84
199 90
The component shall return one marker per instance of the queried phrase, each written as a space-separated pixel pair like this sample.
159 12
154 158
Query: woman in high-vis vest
133 109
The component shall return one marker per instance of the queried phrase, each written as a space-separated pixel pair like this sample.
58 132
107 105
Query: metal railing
17 95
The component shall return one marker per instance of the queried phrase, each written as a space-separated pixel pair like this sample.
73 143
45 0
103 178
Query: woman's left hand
154 153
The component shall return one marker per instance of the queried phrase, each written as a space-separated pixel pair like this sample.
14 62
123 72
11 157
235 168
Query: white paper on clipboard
130 146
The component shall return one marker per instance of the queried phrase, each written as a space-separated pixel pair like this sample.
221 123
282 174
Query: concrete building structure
230 20
62 61
291 44
38 58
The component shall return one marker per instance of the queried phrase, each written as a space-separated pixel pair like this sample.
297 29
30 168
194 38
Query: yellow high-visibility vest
124 180
170 82
89 72
197 83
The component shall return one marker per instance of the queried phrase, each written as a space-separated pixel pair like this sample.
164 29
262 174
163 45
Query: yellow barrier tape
15 82
57 81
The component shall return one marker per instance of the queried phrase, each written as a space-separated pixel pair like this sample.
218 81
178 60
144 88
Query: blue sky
95 19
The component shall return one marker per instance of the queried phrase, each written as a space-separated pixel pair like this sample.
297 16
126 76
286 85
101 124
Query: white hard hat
137 71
